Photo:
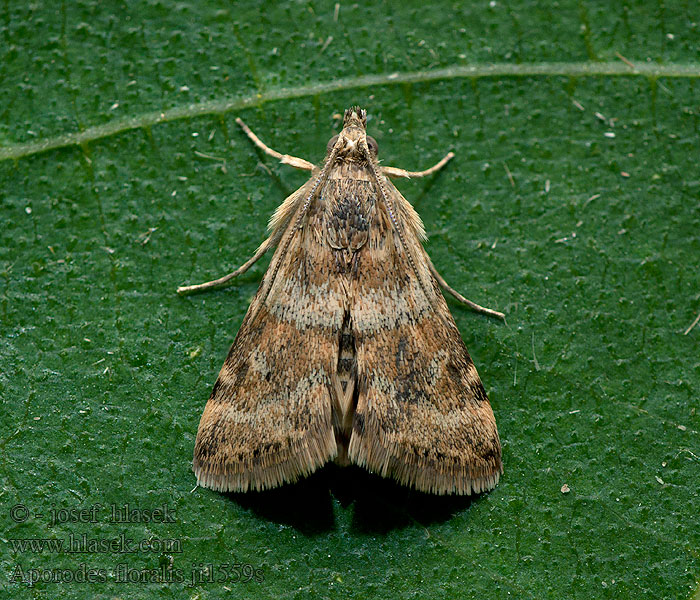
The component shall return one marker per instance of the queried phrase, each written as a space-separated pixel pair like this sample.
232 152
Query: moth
348 351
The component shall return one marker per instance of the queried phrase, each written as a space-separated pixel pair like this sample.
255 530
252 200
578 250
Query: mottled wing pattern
268 419
422 414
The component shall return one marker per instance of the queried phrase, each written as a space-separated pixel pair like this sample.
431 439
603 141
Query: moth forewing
269 418
348 350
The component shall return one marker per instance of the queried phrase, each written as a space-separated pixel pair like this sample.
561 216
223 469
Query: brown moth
348 351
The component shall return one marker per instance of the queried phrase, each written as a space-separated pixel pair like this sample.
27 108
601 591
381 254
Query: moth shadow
306 505
382 505
378 505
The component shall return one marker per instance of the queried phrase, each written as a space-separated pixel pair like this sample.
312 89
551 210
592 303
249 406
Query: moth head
355 117
351 142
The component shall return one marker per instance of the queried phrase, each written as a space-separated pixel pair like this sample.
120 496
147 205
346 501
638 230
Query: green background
591 247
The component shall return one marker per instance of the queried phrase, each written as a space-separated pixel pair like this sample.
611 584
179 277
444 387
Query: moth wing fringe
260 476
422 476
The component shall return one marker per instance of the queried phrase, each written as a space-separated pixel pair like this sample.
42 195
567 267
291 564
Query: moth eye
372 145
331 143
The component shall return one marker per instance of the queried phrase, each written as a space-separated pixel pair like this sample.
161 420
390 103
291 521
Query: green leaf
572 205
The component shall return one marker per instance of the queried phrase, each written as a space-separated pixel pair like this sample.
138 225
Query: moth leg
185 290
285 159
473 305
394 172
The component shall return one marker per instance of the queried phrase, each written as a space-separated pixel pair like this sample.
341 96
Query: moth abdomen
344 391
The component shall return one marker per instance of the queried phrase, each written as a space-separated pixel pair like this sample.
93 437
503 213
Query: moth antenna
390 209
297 223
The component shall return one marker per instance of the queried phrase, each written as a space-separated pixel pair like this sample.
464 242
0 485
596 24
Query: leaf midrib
189 111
